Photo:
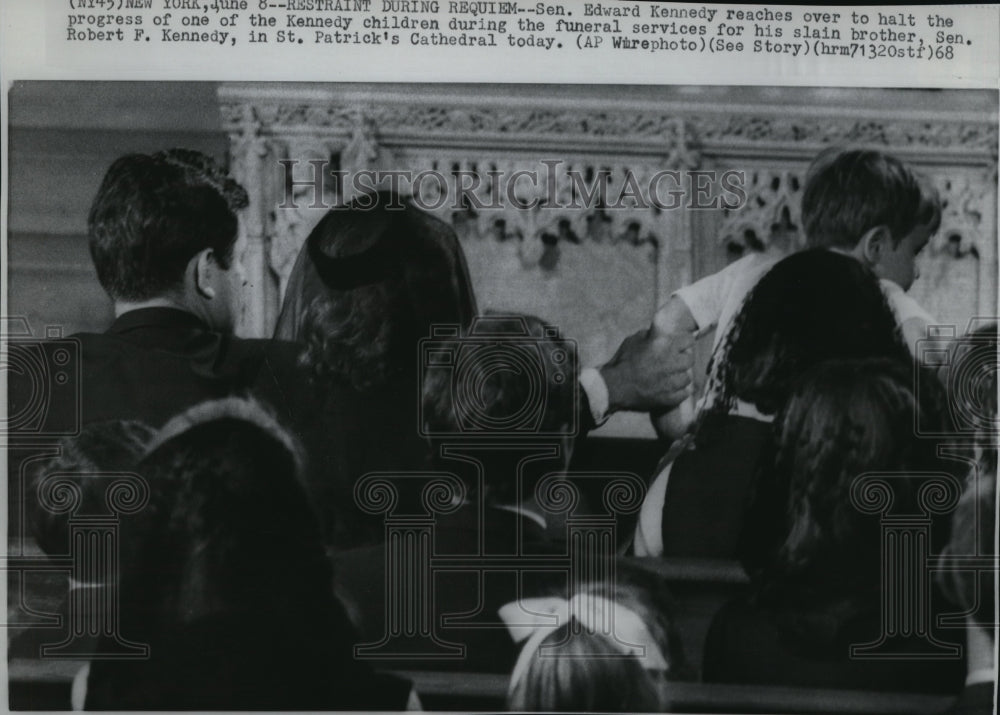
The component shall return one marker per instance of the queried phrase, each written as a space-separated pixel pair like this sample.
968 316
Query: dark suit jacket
153 363
150 365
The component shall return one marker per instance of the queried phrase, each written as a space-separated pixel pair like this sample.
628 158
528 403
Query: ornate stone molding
899 134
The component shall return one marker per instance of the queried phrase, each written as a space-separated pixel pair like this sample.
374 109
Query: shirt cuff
597 394
705 316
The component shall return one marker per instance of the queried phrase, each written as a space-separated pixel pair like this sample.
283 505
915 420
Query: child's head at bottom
612 650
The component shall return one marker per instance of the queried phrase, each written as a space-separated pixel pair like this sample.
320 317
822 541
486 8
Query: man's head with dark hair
873 206
164 227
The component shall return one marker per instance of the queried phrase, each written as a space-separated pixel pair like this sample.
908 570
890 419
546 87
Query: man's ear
874 243
204 273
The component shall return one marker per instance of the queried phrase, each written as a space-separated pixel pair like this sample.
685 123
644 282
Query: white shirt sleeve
912 319
706 296
78 690
597 394
649 530
720 294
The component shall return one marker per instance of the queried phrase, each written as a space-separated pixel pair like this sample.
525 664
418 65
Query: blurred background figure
972 381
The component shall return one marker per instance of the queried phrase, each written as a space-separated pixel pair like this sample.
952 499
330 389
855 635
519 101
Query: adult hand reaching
650 371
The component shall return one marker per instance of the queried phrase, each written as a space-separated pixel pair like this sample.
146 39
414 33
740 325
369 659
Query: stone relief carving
965 201
971 137
771 213
478 142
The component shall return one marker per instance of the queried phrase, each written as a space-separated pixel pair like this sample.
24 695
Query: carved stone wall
599 270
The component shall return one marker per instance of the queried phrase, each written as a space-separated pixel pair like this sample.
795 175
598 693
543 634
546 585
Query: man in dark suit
164 241
163 238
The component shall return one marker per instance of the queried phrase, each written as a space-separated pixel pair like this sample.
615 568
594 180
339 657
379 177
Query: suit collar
156 318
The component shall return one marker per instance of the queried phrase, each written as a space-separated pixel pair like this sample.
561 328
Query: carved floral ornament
714 131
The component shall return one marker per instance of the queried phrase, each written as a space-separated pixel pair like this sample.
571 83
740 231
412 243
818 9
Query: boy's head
872 205
165 225
227 506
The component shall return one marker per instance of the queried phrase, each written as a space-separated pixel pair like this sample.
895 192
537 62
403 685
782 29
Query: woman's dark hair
973 534
153 213
230 585
372 279
845 419
812 306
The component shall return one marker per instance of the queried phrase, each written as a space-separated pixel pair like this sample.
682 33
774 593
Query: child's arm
697 308
925 344
674 317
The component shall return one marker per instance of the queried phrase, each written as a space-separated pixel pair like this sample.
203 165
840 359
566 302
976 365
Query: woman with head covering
372 279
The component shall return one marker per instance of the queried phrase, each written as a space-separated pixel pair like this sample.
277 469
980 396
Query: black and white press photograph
484 397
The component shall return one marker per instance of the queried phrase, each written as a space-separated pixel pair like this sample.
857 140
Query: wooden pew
45 685
40 684
699 588
487 691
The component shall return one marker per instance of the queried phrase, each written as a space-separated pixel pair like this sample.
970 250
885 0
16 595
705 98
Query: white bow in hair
532 619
